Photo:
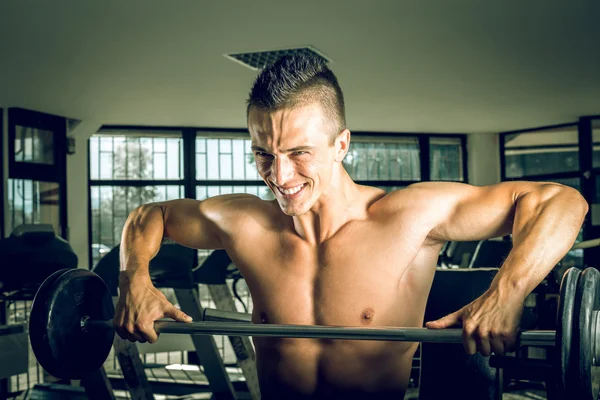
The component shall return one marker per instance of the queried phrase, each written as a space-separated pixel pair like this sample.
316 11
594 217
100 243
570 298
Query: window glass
34 145
541 152
386 159
136 157
446 159
33 202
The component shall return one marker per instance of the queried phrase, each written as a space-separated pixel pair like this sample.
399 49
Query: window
446 159
539 153
135 157
204 192
225 164
36 170
34 145
383 159
549 154
224 159
130 167
112 204
33 202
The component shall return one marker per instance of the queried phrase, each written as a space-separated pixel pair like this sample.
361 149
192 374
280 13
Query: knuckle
128 328
497 333
469 328
482 333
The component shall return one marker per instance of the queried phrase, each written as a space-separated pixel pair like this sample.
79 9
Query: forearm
141 239
546 224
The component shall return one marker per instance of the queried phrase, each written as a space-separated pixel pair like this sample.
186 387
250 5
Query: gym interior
105 106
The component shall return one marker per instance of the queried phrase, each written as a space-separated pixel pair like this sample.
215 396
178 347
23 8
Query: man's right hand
139 305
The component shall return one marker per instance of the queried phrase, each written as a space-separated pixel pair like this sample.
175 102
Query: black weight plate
588 300
38 319
564 331
59 344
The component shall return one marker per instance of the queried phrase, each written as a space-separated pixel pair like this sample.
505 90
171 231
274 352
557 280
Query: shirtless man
327 251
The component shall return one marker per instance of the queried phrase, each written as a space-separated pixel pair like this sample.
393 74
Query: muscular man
327 251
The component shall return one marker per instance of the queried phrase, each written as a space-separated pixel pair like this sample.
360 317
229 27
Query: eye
299 153
261 154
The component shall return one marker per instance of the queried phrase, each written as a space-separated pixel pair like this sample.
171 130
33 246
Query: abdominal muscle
309 368
293 368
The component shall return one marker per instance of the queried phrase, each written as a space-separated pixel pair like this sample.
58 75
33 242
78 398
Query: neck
337 205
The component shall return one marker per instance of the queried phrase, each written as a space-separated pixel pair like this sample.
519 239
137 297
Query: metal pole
526 338
586 244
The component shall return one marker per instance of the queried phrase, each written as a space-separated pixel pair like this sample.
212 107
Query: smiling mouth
292 192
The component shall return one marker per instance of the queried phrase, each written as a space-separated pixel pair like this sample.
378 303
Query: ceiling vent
261 59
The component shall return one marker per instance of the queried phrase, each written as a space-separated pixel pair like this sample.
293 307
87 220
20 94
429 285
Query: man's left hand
490 324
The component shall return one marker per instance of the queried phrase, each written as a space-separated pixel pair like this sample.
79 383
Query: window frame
586 173
557 175
36 171
190 182
55 173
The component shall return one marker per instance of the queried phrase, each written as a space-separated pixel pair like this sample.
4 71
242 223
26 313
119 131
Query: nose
282 170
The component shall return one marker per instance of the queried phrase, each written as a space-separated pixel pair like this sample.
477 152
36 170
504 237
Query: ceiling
405 66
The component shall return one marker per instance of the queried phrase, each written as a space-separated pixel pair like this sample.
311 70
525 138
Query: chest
354 279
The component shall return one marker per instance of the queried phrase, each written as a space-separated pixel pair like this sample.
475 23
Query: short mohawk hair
297 80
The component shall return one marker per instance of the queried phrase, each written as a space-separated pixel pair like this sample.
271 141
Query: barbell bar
71 329
540 338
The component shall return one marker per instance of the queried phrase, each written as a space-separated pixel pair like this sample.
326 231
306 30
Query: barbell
71 329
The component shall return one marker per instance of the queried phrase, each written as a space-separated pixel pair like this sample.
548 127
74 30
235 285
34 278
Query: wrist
510 289
134 276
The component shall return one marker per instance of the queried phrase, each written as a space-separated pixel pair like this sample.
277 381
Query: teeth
291 191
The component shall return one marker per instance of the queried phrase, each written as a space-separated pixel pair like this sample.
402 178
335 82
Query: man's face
293 154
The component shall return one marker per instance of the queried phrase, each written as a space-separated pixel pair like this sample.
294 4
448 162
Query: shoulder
236 204
423 196
239 209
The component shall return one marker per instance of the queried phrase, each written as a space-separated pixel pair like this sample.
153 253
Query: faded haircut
296 81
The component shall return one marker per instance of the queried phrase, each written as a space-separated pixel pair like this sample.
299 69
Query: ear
342 145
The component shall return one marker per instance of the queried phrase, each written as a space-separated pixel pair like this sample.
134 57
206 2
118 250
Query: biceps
186 222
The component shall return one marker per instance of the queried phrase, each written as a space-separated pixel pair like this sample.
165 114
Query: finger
133 338
497 345
131 333
483 345
117 322
176 314
468 339
510 342
445 322
147 333
120 332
